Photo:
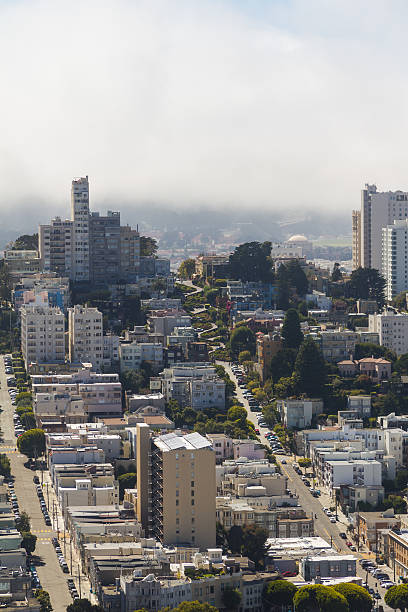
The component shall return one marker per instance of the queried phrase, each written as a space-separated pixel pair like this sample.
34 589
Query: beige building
42 334
85 328
80 220
356 233
176 487
129 252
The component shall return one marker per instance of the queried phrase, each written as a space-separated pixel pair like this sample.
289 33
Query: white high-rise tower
80 218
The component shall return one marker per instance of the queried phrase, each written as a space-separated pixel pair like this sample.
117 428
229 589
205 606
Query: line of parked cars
378 573
72 588
60 556
34 577
8 366
43 505
13 500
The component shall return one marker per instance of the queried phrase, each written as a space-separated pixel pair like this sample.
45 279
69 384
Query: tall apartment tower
85 332
356 233
378 209
80 219
395 258
177 490
129 253
55 243
42 334
104 247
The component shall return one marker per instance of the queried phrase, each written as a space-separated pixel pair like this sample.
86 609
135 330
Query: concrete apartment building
193 384
338 345
55 243
80 267
392 330
328 566
21 264
164 321
42 334
378 210
129 253
176 488
55 287
370 523
355 471
299 413
85 336
131 355
394 264
104 247
50 406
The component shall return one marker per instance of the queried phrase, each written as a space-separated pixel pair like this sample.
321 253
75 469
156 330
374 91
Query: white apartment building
392 330
394 262
110 350
80 219
85 329
378 209
164 322
42 334
337 345
108 444
55 243
352 472
83 493
131 355
298 413
67 405
194 384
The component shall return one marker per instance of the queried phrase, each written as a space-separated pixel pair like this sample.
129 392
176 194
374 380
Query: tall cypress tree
310 368
291 332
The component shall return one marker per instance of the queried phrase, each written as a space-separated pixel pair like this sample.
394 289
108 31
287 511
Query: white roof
173 441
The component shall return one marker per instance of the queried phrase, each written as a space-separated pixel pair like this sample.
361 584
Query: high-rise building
176 488
80 219
129 253
42 334
85 330
104 247
394 266
55 243
378 209
392 330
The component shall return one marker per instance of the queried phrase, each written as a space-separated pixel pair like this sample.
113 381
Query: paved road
49 571
313 505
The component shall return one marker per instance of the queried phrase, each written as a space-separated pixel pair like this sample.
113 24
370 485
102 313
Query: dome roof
298 238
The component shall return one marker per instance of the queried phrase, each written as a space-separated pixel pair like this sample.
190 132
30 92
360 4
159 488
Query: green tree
32 443
237 413
186 269
357 597
278 593
304 462
253 542
297 277
29 541
401 479
148 246
221 536
366 349
244 356
194 606
397 597
5 469
84 605
367 284
28 420
132 380
44 599
231 598
401 365
282 364
336 274
23 524
310 368
286 387
400 301
126 481
26 242
251 262
283 288
319 598
235 539
291 333
211 296
242 339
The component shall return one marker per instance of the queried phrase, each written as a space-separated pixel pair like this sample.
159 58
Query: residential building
80 267
330 566
193 384
176 487
361 404
354 471
392 330
138 403
85 329
153 593
227 448
133 354
351 496
129 253
376 369
55 289
397 557
215 266
55 243
53 405
393 421
42 334
267 345
394 265
197 352
340 344
378 210
370 523
299 413
164 321
21 264
104 247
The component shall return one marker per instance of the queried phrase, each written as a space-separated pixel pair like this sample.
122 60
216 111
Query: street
313 506
49 571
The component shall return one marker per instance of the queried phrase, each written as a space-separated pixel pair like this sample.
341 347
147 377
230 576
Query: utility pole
70 552
48 496
79 581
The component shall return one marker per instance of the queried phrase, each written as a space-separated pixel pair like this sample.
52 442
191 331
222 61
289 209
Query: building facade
42 334
85 336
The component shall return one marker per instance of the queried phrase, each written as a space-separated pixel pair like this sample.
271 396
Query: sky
282 105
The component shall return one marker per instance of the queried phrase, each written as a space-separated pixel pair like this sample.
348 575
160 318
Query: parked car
288 574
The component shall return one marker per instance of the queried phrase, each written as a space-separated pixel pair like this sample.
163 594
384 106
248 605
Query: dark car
343 535
36 480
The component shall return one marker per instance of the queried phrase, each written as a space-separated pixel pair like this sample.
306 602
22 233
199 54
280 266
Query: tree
28 420
126 481
26 242
310 368
282 364
367 349
367 284
283 288
29 541
278 593
193 606
242 339
297 277
357 597
319 598
186 269
83 605
5 469
336 274
291 332
400 301
32 443
132 380
253 542
23 524
237 413
251 262
44 599
286 387
397 597
304 462
231 598
244 356
235 539
148 246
